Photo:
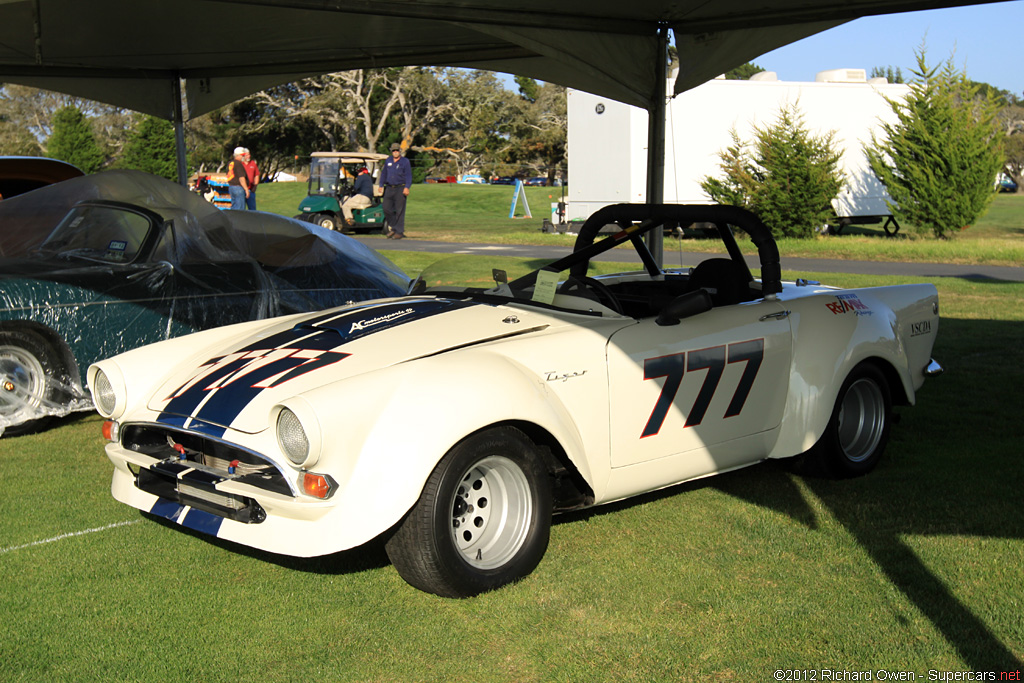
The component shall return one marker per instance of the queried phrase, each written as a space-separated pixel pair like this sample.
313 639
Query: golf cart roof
350 156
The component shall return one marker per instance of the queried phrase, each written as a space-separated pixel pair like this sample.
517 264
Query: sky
984 40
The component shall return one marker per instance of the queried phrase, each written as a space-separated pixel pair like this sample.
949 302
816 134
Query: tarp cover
104 263
132 53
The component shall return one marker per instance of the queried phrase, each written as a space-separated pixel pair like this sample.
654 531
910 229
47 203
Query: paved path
1006 273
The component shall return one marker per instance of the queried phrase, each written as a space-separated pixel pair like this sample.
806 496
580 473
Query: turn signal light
317 485
111 430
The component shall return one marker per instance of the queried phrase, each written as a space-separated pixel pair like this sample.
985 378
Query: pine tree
72 140
787 176
151 149
939 160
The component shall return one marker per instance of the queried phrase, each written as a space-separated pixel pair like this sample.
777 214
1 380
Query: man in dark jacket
362 196
396 179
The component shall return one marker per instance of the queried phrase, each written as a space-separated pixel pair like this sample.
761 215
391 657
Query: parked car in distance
137 259
541 181
453 421
472 179
503 180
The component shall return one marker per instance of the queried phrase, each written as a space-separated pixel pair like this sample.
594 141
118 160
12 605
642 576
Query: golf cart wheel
482 520
28 388
327 221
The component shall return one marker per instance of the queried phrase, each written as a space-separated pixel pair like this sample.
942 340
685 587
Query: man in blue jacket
396 179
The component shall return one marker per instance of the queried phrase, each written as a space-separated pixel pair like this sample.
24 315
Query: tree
150 148
743 72
939 160
26 120
481 125
787 176
542 147
893 75
72 140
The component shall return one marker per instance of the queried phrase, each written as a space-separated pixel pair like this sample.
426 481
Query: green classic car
138 259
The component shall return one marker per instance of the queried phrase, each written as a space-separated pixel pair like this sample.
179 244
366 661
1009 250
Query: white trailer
608 139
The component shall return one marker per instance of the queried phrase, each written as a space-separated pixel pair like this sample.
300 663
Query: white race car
454 421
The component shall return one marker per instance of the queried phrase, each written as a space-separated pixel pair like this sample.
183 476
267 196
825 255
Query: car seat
728 282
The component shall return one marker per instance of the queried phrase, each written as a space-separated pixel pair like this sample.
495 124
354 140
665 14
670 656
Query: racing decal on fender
235 379
923 327
848 303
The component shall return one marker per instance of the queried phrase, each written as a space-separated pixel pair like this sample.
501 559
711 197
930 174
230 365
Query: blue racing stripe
202 521
167 509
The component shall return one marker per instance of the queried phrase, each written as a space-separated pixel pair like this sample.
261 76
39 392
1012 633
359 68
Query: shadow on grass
952 468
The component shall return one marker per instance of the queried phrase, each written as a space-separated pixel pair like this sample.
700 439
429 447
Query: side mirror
684 306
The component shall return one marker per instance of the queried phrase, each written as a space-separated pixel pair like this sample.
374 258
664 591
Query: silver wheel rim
861 420
22 382
491 512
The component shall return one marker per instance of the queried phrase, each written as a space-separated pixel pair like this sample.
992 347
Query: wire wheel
23 382
29 386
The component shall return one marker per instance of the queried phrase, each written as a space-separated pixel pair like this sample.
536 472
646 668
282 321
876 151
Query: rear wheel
482 520
858 430
28 385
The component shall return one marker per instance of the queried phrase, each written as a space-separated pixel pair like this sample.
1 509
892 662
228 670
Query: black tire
482 520
858 429
326 220
29 371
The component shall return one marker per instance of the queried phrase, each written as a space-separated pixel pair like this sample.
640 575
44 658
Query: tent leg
179 134
656 145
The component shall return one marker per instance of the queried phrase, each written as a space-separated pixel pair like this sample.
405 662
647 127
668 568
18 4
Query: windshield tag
544 289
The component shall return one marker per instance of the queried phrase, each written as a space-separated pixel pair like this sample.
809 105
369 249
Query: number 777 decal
713 359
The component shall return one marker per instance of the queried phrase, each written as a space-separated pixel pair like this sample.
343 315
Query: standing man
252 174
362 197
238 183
396 179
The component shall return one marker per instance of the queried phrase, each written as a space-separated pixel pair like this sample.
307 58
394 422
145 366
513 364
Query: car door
709 391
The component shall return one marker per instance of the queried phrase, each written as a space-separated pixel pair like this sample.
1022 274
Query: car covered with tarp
95 266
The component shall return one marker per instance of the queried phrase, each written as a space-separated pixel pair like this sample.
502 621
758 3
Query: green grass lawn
918 566
479 213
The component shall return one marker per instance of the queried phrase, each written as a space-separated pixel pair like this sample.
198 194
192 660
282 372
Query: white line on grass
71 535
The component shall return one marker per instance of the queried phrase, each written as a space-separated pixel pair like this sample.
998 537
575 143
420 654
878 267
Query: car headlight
103 393
292 437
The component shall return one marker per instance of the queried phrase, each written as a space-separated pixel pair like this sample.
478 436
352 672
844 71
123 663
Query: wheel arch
67 358
571 489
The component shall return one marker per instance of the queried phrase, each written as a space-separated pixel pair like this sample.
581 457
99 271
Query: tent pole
179 133
656 143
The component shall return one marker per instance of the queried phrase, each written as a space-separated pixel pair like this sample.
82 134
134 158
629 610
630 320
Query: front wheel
482 520
858 429
327 221
28 385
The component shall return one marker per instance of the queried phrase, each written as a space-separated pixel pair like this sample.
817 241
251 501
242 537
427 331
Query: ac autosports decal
223 386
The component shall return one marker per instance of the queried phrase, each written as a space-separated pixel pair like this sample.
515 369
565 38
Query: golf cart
330 183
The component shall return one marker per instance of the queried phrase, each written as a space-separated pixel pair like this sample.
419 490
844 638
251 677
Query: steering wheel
601 291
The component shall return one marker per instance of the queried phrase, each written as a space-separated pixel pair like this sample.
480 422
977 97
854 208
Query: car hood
237 385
